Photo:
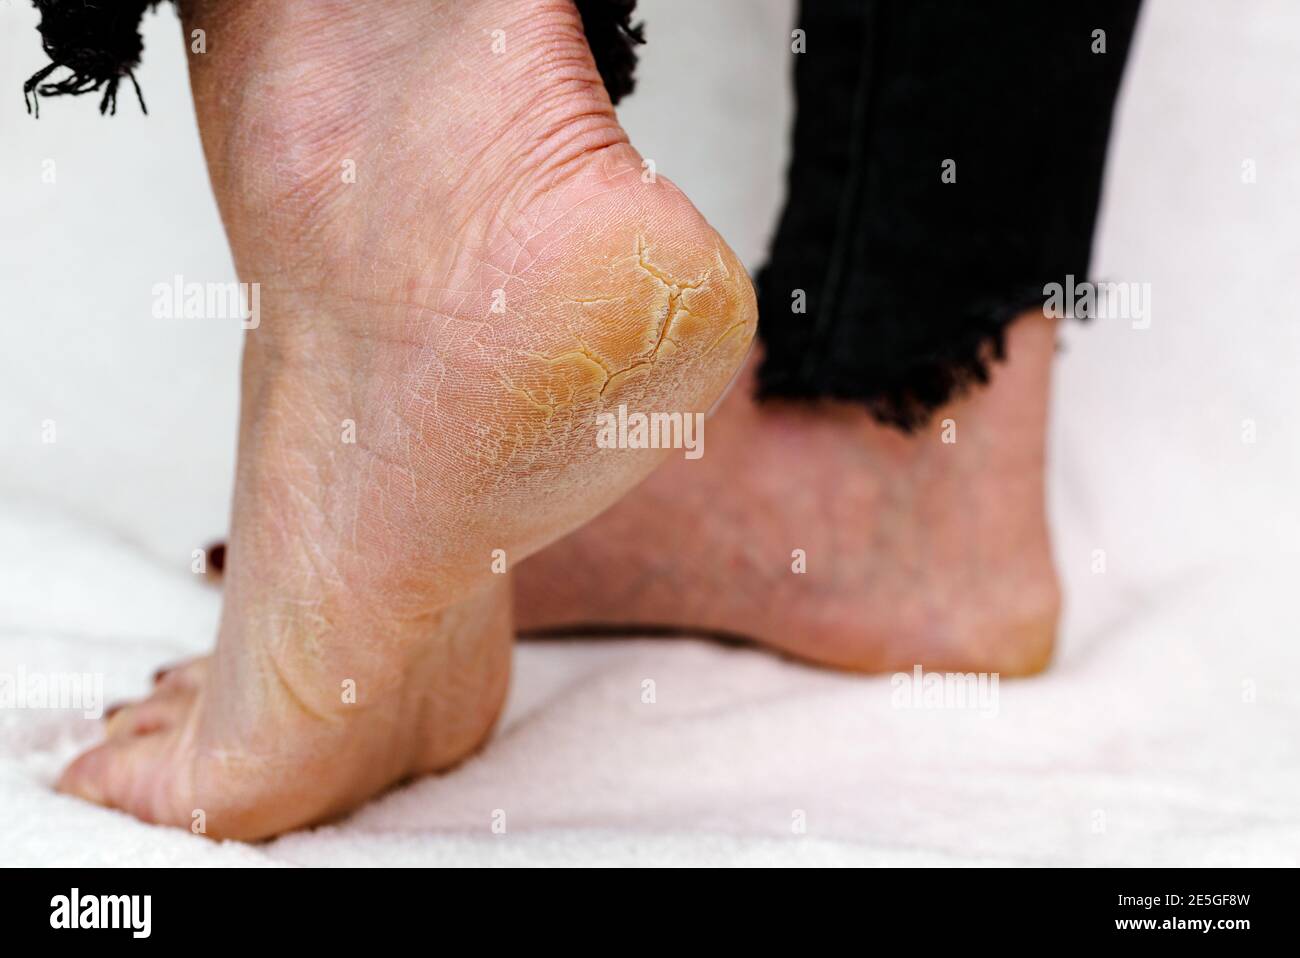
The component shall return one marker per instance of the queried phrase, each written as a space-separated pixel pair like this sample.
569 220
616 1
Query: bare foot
917 550
438 335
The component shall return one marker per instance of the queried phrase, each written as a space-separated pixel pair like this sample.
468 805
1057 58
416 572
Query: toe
187 673
127 772
216 559
87 776
166 708
106 774
135 769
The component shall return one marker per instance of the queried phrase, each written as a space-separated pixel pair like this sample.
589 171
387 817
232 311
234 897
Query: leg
917 287
438 336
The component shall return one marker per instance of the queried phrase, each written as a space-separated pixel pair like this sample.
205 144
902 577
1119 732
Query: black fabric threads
99 43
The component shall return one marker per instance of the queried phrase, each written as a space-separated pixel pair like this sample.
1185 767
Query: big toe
132 772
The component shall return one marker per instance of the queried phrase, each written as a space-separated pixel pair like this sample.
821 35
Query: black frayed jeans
946 166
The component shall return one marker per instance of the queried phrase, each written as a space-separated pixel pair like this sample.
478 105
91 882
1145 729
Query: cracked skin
638 330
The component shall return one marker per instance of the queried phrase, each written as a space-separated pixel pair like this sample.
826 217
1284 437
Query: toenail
164 671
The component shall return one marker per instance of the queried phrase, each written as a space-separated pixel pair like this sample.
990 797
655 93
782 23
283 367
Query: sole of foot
462 263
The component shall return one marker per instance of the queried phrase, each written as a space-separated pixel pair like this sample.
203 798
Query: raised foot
420 399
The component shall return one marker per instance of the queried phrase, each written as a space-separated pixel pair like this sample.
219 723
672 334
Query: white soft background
1141 745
